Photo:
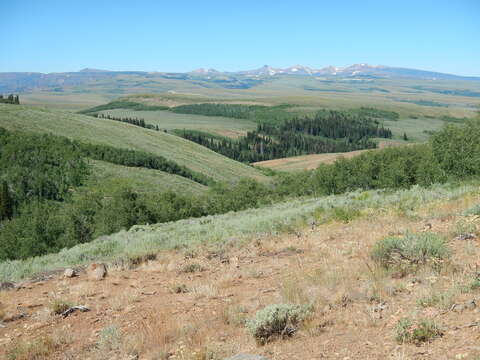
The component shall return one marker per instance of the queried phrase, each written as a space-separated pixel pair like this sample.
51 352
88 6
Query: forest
10 99
325 132
46 206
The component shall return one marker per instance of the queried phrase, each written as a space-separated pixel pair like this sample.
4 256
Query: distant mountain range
349 71
18 82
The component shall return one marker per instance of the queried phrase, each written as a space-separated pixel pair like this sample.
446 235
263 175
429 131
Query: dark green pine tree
405 137
6 203
17 100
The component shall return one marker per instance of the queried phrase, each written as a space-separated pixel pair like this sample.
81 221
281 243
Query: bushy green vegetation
279 320
326 132
408 331
122 104
39 166
410 249
452 154
457 149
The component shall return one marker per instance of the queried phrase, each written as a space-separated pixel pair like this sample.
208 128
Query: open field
237 264
306 162
140 180
114 133
168 120
310 162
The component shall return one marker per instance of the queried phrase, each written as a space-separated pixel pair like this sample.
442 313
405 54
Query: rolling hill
121 135
140 180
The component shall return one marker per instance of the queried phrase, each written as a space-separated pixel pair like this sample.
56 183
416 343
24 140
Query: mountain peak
93 70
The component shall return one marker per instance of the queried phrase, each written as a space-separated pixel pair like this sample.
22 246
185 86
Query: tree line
10 99
325 132
129 120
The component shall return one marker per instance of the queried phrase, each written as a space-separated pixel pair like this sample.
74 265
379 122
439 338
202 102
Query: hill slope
122 135
141 180
216 288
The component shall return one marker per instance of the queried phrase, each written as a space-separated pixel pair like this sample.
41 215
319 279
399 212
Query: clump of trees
129 120
326 132
10 99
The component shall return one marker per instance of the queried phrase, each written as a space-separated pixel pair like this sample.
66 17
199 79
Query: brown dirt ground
328 265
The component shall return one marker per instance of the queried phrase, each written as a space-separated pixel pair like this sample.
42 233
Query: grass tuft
408 331
410 250
277 320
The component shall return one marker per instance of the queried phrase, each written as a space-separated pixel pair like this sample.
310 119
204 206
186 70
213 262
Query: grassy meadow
170 121
140 180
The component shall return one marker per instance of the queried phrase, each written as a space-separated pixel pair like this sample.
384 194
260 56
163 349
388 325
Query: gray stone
96 271
246 357
464 237
7 285
470 304
69 273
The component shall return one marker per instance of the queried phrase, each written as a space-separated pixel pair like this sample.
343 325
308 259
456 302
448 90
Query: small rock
96 271
466 237
470 304
75 308
14 317
7 285
246 357
69 273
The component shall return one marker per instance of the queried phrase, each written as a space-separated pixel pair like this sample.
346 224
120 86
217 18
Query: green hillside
140 180
91 130
169 120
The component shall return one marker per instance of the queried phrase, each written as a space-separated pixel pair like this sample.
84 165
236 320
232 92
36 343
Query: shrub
345 214
442 299
179 289
109 338
456 149
277 320
191 268
410 249
416 333
474 210
58 306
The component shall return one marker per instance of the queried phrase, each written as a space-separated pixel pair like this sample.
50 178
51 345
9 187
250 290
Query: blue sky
55 36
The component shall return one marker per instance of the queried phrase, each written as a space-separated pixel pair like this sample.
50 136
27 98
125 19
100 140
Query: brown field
310 162
160 310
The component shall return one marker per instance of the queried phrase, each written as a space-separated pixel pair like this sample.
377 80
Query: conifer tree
6 203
